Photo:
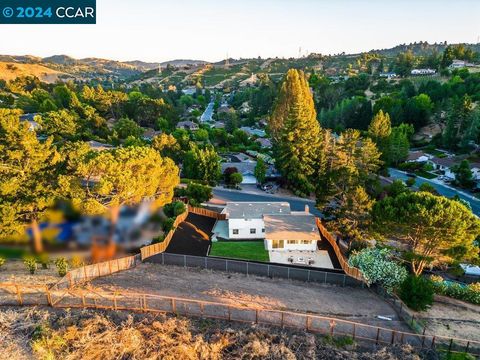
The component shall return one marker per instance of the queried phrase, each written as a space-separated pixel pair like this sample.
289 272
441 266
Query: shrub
416 292
168 224
62 266
30 263
77 261
44 259
378 268
157 239
410 182
174 209
469 293
2 261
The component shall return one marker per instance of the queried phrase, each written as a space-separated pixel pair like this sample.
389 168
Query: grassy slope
245 250
42 72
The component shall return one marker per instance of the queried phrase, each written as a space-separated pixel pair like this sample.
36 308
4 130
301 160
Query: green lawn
245 250
425 174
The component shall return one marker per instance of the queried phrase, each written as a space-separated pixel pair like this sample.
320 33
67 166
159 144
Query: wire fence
14 294
257 268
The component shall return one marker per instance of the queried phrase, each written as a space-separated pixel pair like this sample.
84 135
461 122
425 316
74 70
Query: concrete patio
320 258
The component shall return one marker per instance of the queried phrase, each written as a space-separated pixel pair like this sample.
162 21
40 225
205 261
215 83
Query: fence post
308 276
184 261
84 304
174 308
226 265
393 337
69 274
19 295
281 321
378 335
49 299
354 331
256 316
307 325
332 325
268 271
98 268
468 344
115 301
325 278
205 258
433 342
423 337
247 267
344 278
450 346
110 267
144 302
85 272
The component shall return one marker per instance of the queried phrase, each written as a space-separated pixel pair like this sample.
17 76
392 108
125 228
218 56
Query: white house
187 125
418 156
291 232
445 165
423 72
245 219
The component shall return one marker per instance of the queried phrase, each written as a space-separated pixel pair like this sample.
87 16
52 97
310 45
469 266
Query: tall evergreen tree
28 177
379 130
296 133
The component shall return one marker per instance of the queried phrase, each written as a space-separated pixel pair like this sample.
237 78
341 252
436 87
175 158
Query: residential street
442 189
208 113
251 193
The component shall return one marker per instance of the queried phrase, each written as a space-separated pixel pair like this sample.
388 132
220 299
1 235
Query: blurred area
65 232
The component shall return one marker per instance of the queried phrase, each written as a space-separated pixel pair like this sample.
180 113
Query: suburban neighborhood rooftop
255 210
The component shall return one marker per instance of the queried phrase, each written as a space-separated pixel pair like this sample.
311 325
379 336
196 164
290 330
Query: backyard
245 250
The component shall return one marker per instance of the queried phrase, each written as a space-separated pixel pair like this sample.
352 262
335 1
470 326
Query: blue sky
158 30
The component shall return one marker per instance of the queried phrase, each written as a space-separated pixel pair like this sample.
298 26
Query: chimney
307 209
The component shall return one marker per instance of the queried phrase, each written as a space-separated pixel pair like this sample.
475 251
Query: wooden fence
89 272
349 270
14 294
157 248
206 212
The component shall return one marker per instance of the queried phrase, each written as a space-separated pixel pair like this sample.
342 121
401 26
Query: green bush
62 266
2 261
410 182
168 224
470 293
30 263
417 292
157 239
377 267
174 209
44 259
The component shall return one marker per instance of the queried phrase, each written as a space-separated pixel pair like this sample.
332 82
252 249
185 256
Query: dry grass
10 71
14 271
85 334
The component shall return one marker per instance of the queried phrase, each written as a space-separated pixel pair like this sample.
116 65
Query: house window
235 231
291 242
277 244
305 241
263 230
253 231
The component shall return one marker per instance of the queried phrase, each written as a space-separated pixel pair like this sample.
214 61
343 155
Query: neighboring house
264 143
150 133
253 132
423 72
218 125
247 169
189 90
459 64
245 108
388 75
98 146
418 156
445 165
291 232
187 125
30 119
224 108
